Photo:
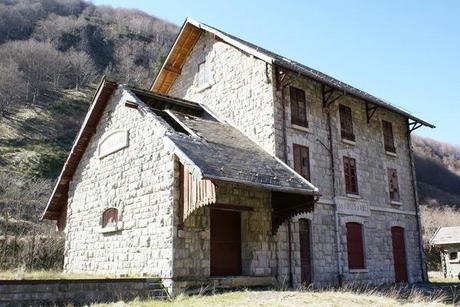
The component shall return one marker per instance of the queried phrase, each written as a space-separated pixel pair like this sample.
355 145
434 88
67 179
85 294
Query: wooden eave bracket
370 111
413 125
327 94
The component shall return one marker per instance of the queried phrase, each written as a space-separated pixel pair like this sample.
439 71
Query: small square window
453 256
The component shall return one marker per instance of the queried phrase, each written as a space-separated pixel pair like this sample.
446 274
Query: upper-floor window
346 123
203 74
393 185
298 107
388 139
302 160
109 217
355 246
351 178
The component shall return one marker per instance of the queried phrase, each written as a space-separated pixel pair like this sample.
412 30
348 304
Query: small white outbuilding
448 240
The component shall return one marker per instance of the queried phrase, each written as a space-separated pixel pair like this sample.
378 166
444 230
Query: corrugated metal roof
446 235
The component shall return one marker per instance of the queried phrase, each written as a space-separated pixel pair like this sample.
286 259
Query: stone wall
239 90
77 292
451 268
373 205
138 181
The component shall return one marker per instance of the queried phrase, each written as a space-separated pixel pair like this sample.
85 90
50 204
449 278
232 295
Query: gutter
416 203
334 201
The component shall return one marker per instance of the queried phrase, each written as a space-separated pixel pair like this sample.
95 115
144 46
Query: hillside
52 54
437 167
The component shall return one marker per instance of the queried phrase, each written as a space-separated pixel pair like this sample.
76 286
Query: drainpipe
282 87
336 214
417 209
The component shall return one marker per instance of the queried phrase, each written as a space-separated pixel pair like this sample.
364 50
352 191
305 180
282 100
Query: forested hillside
437 167
52 54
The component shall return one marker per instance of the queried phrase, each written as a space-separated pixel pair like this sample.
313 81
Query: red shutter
346 123
351 179
302 160
388 138
298 107
393 185
355 246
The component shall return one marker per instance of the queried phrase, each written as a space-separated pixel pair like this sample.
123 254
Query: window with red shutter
346 123
351 178
109 217
298 107
388 138
355 246
302 160
393 184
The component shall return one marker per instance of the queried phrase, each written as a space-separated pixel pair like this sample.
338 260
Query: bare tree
11 85
82 68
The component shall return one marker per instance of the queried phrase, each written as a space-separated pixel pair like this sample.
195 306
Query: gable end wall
137 180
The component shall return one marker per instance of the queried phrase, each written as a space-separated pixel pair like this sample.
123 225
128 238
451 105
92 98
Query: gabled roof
446 235
190 33
210 148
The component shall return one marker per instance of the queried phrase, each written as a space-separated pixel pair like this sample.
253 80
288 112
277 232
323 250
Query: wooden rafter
370 110
413 125
327 96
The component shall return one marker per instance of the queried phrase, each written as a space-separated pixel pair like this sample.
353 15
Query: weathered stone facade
243 92
142 181
138 181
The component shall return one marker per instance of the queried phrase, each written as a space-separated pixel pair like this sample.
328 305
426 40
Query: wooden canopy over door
399 254
225 243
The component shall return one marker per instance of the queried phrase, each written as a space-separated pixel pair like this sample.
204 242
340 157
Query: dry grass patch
438 277
292 298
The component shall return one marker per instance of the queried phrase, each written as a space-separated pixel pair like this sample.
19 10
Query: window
453 256
203 74
109 217
302 161
393 184
346 123
351 179
388 138
298 107
355 246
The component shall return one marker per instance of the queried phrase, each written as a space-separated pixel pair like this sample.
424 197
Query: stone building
448 241
194 180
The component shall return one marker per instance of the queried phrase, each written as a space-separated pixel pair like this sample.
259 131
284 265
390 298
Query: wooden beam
370 110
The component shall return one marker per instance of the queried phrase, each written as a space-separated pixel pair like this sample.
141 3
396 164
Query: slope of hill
52 54
437 168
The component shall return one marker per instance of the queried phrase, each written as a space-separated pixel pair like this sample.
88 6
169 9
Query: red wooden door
399 254
305 253
225 243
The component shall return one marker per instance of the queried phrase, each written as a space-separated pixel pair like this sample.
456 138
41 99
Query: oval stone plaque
112 142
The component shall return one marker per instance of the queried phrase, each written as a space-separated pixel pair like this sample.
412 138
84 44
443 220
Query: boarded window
298 107
203 74
388 138
351 179
302 161
355 246
109 217
346 123
393 184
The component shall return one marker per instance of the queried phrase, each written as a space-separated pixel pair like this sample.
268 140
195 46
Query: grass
342 297
438 277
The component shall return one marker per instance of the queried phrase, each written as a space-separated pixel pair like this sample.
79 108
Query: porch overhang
196 193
